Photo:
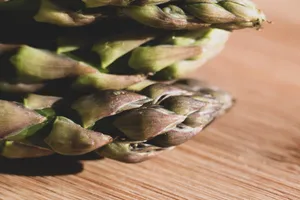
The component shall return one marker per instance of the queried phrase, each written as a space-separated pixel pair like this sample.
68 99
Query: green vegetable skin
109 76
127 125
163 14
173 55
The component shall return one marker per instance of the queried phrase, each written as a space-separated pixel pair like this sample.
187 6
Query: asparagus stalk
137 125
162 14
125 59
167 54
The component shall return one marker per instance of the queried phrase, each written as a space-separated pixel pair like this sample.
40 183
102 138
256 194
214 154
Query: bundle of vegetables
109 76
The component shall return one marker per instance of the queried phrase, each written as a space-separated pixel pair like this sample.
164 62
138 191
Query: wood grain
253 152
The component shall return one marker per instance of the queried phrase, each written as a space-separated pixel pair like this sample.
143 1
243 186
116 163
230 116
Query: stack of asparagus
109 76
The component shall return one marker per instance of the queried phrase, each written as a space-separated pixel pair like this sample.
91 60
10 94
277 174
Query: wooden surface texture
251 153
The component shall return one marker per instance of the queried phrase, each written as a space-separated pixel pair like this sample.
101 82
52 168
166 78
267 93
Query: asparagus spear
129 126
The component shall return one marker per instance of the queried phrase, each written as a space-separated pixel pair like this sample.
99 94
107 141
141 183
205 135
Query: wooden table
253 152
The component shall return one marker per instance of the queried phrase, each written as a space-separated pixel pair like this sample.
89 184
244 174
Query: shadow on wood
55 165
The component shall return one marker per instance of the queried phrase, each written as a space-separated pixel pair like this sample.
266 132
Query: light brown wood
253 152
